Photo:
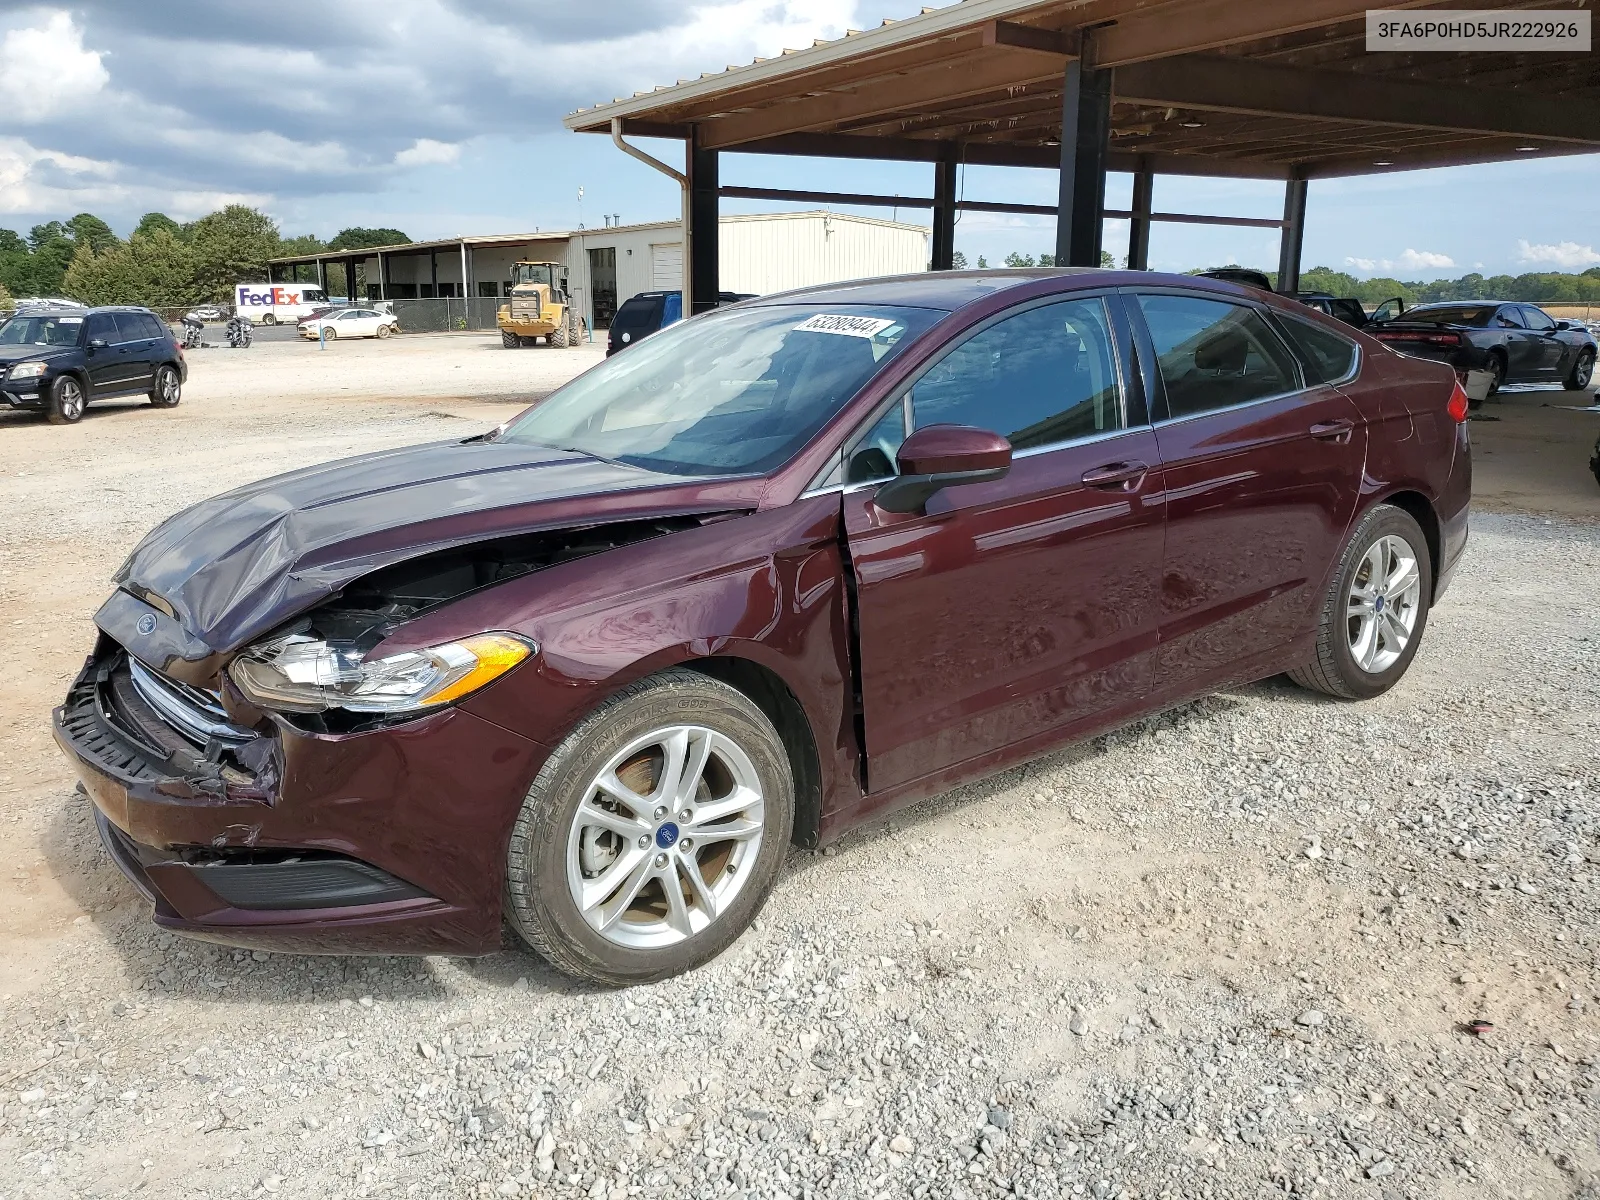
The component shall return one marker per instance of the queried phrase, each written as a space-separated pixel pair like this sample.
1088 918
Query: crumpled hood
233 567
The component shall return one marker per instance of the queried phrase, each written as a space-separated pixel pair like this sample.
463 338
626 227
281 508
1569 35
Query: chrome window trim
1030 452
1211 412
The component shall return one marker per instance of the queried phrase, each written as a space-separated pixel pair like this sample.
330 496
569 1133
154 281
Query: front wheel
330 334
268 319
166 391
1375 611
653 834
1497 374
1582 373
66 402
509 340
558 336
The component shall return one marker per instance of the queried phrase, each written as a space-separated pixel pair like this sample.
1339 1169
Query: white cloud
425 152
1409 260
45 70
39 181
1569 256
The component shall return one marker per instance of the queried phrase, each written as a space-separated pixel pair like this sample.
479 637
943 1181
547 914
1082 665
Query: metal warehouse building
761 253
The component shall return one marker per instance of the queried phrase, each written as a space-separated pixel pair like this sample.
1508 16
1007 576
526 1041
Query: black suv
59 360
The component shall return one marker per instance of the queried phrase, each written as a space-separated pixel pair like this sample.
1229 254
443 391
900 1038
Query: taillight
1458 405
1431 339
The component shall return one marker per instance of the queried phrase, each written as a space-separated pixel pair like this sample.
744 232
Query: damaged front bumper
388 841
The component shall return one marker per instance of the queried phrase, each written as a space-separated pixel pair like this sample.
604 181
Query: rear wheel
1375 611
66 402
166 391
1497 374
383 331
268 319
653 834
1582 373
558 336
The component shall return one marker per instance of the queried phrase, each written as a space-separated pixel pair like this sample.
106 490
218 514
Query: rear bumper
387 842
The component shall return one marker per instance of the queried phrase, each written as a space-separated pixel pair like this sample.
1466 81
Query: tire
509 340
330 335
66 402
269 319
1582 373
558 336
554 851
1342 640
166 390
383 331
1497 366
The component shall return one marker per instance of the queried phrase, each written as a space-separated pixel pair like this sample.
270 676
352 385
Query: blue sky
442 117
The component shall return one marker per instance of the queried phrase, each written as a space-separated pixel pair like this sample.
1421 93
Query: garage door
666 266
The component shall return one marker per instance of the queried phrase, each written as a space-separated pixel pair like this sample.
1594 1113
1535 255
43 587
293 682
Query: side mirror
1565 325
942 456
97 343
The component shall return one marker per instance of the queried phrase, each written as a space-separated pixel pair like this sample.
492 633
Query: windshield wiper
614 462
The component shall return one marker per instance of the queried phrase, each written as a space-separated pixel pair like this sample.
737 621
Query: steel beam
1294 228
944 210
1139 220
1085 141
700 251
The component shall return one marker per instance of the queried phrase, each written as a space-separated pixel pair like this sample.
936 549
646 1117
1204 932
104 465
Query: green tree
1019 260
958 261
155 269
306 243
1047 260
151 222
982 262
7 302
358 237
86 229
50 252
231 246
1107 259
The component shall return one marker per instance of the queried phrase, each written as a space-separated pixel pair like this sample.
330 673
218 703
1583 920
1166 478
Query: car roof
948 290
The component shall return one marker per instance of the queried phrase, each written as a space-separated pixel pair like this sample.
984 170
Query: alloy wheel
169 387
70 399
1385 598
665 837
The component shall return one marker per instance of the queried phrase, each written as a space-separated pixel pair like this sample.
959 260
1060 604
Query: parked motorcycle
239 332
194 330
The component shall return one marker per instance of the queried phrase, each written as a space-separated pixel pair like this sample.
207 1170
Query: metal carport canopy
1271 89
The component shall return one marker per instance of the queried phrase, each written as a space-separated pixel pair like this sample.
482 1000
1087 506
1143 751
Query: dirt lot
1227 952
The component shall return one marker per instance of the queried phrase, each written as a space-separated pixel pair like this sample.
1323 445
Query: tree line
162 262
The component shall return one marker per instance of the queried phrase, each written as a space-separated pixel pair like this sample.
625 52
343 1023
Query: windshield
1476 315
41 331
533 273
735 392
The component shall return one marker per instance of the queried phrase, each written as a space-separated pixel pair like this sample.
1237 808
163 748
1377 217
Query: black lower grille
316 882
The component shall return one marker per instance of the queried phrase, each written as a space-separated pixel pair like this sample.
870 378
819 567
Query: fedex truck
277 303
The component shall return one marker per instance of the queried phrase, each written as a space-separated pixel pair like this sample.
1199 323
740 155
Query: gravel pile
1263 944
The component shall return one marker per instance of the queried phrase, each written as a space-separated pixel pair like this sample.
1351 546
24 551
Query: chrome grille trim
196 715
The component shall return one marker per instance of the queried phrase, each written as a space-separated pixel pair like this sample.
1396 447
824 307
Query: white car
348 323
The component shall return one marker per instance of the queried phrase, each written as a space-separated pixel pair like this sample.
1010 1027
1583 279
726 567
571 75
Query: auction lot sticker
1478 29
865 327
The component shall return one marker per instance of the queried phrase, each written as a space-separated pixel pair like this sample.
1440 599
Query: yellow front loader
538 307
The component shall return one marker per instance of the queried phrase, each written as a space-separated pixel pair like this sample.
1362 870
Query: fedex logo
264 296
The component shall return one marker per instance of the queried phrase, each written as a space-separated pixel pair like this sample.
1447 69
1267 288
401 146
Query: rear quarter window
1326 356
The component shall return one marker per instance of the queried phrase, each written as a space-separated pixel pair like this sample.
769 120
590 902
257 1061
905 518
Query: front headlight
28 370
301 673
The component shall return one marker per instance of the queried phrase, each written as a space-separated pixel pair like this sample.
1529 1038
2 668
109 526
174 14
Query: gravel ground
1233 950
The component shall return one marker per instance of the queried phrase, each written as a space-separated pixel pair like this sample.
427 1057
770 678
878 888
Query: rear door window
130 328
1214 355
154 325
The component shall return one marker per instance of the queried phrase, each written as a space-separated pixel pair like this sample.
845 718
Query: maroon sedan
780 569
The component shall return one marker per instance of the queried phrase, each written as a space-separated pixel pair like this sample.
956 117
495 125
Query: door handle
1120 476
1333 431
